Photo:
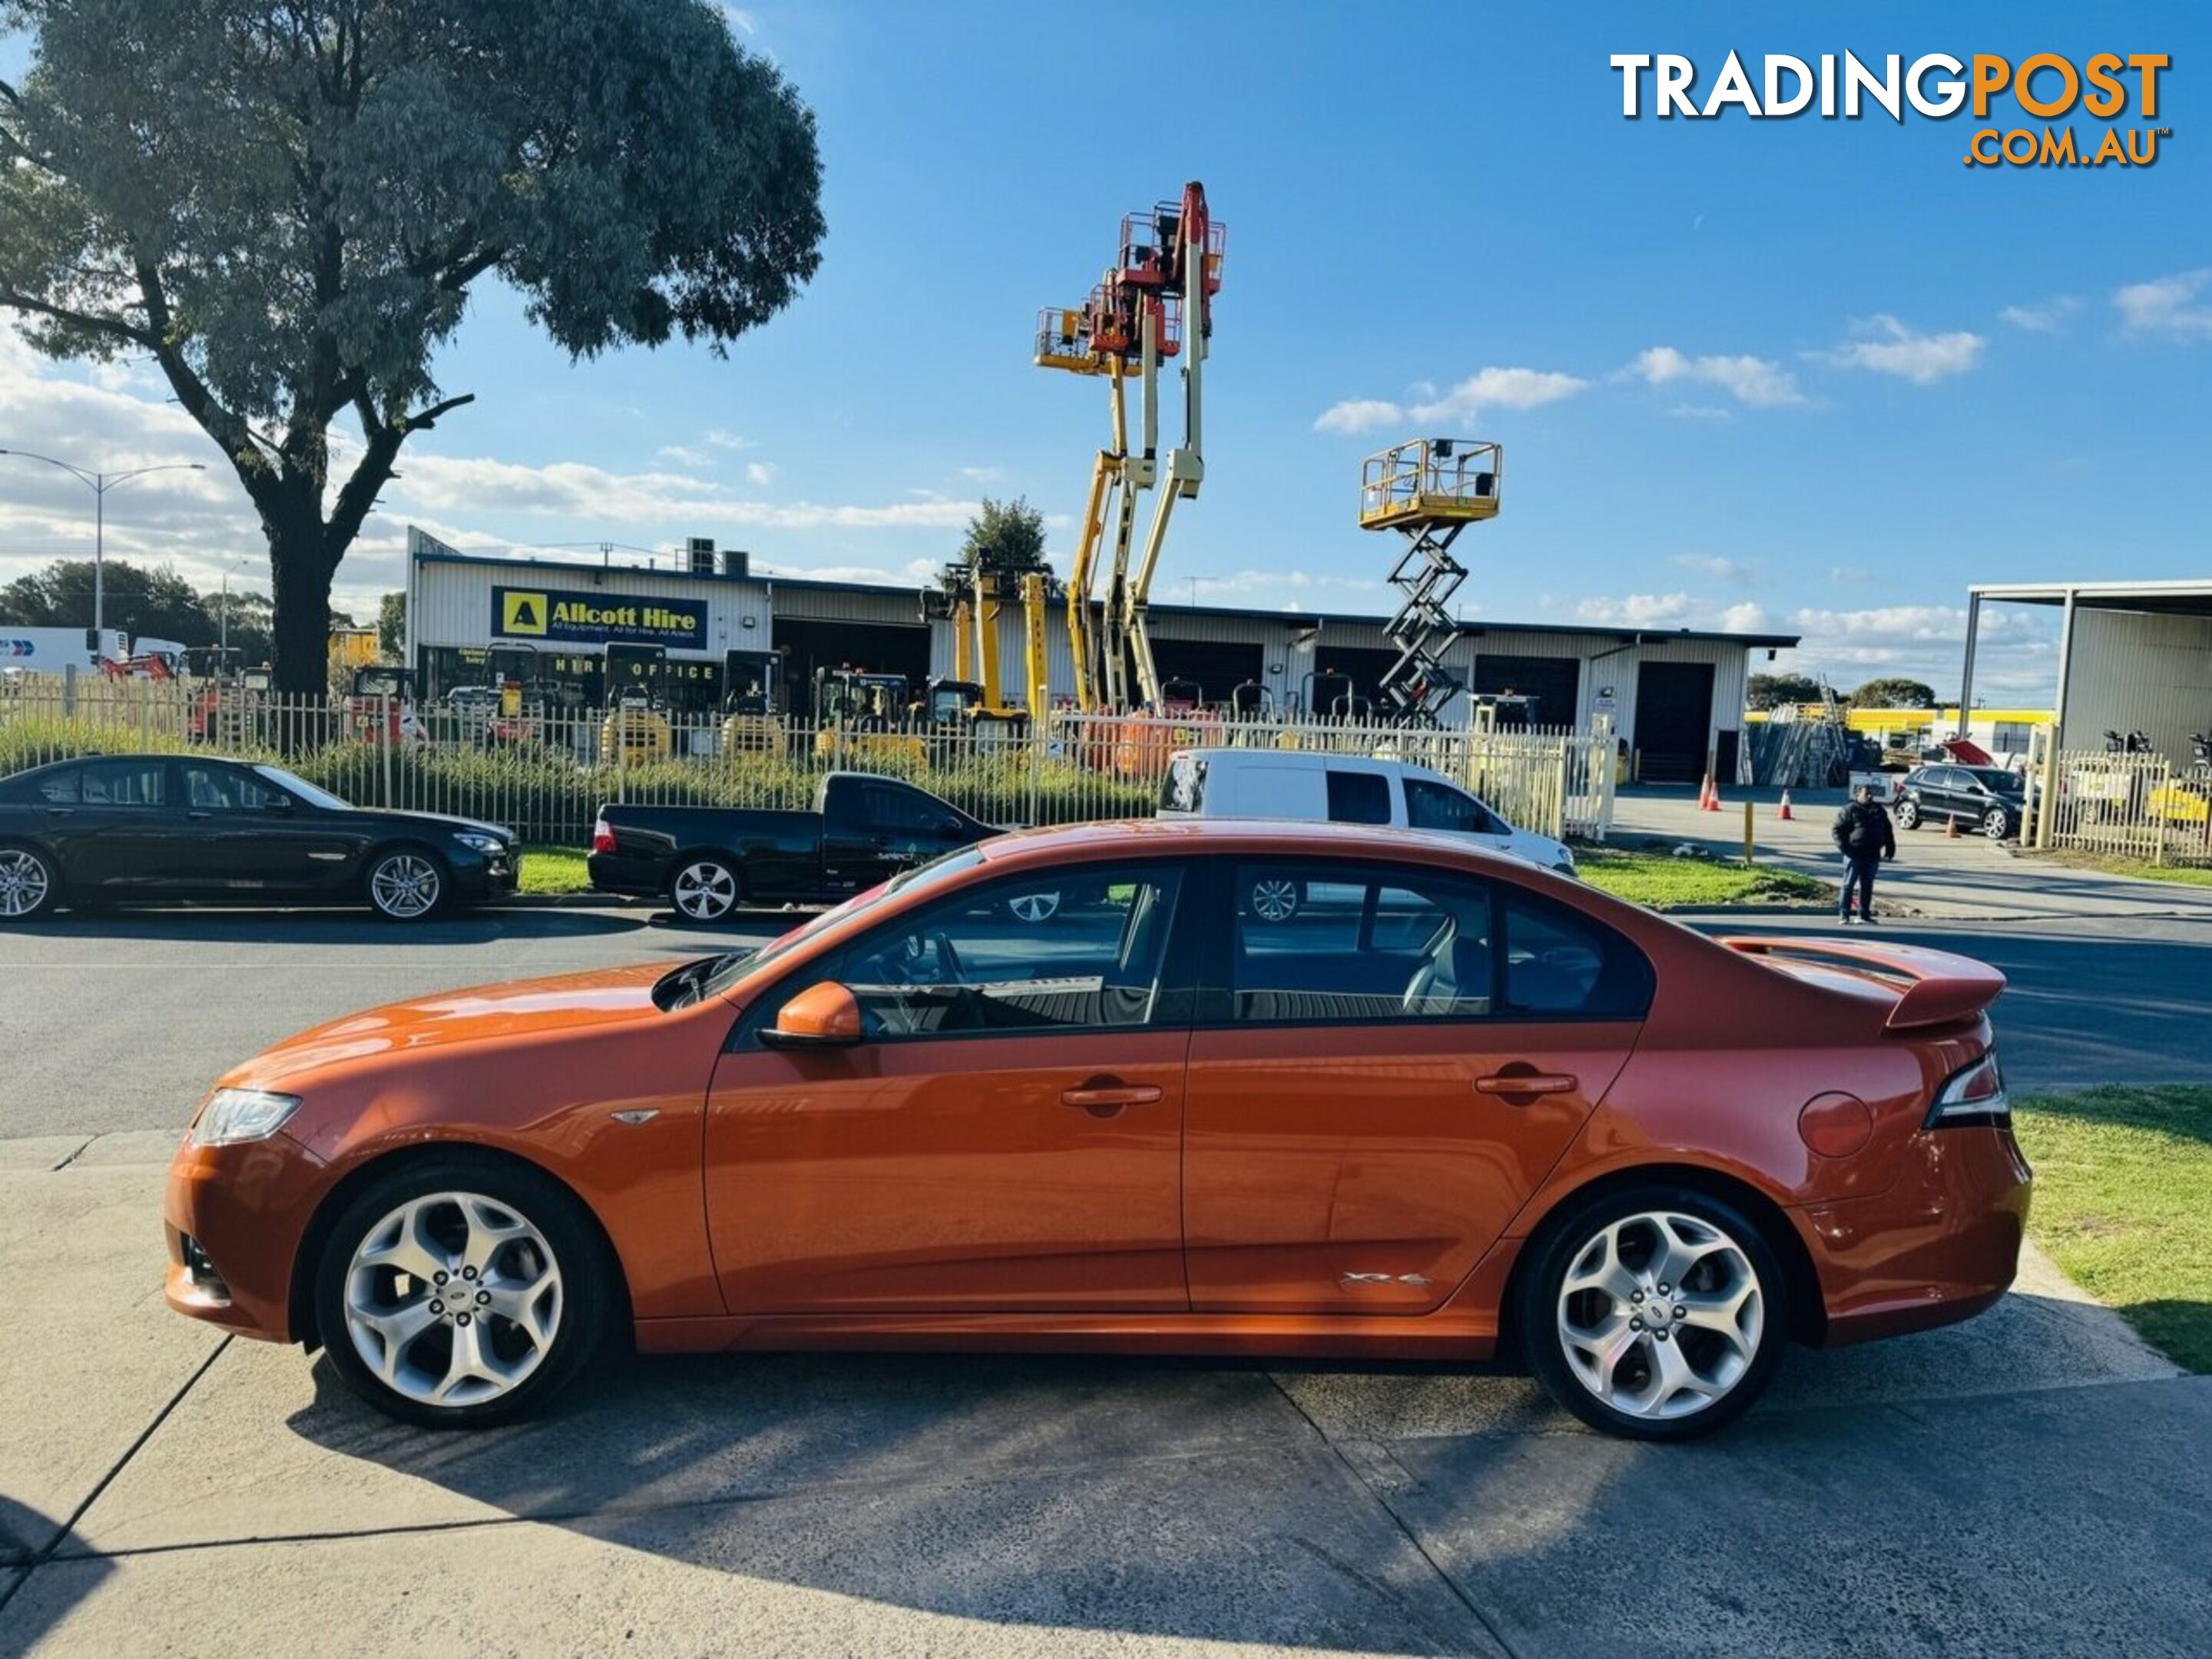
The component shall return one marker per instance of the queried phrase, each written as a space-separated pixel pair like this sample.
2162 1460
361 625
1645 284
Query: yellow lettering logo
522 613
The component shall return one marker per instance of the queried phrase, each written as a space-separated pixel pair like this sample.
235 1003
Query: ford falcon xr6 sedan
1445 1104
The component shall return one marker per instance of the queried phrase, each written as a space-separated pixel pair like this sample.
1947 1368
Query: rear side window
1358 797
123 782
1184 789
1439 806
54 788
1560 962
1336 942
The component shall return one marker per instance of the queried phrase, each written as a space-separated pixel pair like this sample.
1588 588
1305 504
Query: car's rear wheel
1997 823
28 883
406 885
1908 814
1274 899
704 889
460 1291
1657 1314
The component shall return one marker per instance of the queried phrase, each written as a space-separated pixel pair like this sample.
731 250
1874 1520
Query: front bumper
235 1217
484 878
1941 1245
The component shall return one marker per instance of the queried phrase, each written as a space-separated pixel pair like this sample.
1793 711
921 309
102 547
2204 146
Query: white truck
1289 783
49 650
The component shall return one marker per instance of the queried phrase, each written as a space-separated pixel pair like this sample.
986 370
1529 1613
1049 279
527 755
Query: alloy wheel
405 885
1998 825
1275 899
1660 1315
24 883
453 1299
1908 813
705 892
1035 907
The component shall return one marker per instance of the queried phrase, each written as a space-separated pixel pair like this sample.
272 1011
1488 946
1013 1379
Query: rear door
1355 1139
128 828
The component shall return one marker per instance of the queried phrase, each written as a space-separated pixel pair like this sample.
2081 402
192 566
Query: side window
1439 806
1184 789
1358 797
899 809
54 788
1337 942
221 789
1558 962
123 782
1085 949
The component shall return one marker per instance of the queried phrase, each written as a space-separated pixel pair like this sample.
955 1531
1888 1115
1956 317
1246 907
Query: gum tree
286 204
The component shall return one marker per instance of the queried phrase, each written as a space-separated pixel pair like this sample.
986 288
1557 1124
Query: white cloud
1744 618
1752 381
762 473
1850 574
1716 566
982 474
2048 317
1701 412
1635 610
1486 388
740 20
2016 656
2167 305
722 438
1888 347
680 455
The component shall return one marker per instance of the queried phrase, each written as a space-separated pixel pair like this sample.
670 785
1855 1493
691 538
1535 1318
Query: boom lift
1167 273
1428 490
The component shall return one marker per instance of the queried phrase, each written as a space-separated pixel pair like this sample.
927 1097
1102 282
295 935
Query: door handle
1526 1083
1104 1099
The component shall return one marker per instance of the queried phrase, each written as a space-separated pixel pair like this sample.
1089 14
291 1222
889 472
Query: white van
1289 783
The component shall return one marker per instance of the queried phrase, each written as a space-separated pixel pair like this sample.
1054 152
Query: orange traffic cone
1709 796
1950 828
1782 811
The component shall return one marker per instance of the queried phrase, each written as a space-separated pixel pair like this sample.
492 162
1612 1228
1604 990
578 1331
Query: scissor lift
1428 490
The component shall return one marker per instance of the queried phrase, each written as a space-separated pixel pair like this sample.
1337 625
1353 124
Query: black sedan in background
1984 797
130 829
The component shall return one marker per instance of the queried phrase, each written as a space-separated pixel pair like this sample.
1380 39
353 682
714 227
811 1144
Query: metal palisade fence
2134 806
544 771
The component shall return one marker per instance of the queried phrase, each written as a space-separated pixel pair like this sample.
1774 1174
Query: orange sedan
1446 1102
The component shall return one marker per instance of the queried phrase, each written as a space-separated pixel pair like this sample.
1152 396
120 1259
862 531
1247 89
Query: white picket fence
2134 806
544 770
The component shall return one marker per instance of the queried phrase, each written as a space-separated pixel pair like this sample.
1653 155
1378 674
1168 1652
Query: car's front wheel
460 1291
1997 823
1656 1314
28 885
406 885
704 890
1908 814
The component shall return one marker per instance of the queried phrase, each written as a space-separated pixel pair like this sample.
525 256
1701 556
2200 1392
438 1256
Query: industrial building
2133 656
1676 696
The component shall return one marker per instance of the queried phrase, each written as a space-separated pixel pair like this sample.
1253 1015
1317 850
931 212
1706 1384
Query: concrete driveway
2010 1485
1933 877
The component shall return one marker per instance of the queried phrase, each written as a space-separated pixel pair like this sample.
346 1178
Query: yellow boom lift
1154 304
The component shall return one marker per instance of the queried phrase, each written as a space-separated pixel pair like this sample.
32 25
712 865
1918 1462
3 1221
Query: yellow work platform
1430 481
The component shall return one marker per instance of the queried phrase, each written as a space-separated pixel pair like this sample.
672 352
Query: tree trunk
301 627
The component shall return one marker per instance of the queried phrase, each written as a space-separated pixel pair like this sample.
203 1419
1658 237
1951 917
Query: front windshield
730 968
306 791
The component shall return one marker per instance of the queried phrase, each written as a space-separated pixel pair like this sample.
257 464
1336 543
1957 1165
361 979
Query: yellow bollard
1746 832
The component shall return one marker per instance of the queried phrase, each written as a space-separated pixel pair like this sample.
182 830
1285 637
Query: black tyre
1654 1313
704 888
1997 823
407 884
462 1291
1908 814
30 886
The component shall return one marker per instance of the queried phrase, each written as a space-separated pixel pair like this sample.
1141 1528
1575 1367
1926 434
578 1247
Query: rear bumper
614 872
1941 1245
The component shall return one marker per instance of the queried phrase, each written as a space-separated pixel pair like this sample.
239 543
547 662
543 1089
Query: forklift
863 716
636 730
752 703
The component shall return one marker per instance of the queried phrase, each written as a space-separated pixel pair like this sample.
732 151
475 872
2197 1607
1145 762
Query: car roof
1226 835
1308 757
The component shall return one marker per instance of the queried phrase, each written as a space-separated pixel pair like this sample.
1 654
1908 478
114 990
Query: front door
883 828
1355 1139
1005 1138
242 835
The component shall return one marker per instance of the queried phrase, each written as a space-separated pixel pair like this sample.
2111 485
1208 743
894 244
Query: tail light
603 836
1973 1095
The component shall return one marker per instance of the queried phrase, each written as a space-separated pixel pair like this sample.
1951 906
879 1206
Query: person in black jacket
1864 837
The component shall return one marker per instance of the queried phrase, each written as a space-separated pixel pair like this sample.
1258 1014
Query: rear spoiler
1940 987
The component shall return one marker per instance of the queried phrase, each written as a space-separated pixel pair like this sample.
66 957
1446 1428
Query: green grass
1667 882
2124 1204
2187 875
554 870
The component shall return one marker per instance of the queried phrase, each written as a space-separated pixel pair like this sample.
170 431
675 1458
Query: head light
479 841
232 1115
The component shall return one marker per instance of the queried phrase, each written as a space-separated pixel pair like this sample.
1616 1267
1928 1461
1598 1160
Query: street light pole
99 483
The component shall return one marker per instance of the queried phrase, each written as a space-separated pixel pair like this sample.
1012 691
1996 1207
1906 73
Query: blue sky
1810 376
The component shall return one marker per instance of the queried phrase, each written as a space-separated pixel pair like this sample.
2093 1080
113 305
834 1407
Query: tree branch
86 319
423 420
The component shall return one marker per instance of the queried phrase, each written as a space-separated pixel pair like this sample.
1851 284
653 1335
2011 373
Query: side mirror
824 1016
